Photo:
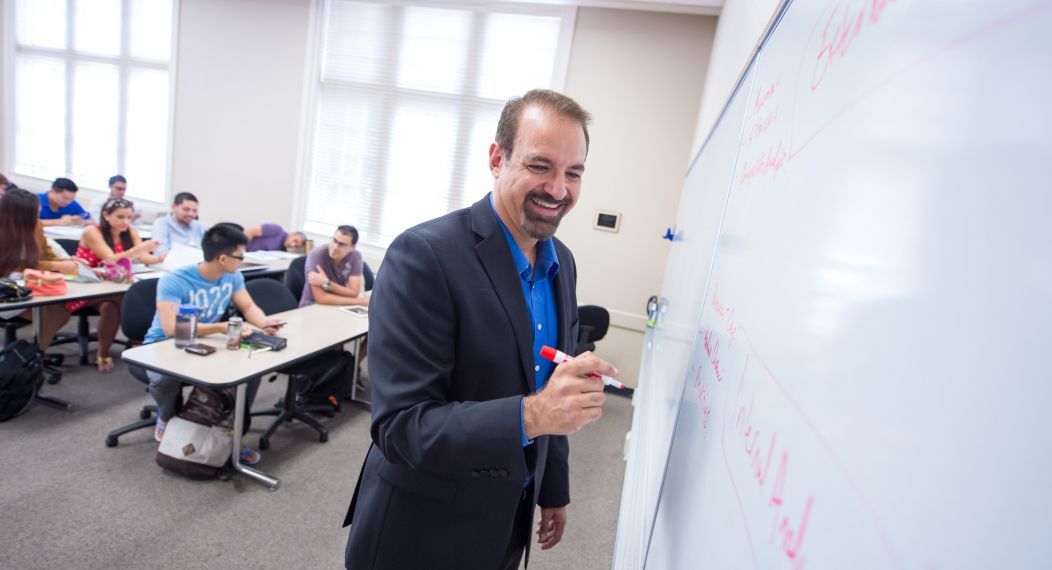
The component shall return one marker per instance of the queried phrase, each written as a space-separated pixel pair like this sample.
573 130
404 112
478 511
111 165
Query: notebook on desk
247 267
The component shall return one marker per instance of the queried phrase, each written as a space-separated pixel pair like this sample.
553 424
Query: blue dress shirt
538 290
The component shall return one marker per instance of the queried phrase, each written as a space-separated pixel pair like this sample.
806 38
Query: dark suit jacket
450 358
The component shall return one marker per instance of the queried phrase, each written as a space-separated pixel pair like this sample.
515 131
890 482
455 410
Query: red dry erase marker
559 357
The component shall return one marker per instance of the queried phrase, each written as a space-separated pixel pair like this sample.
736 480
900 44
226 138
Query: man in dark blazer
469 422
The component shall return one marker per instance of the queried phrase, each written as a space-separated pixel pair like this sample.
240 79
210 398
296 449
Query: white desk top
74 291
310 330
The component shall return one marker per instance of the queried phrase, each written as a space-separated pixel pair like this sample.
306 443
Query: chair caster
111 441
264 444
53 377
323 437
145 414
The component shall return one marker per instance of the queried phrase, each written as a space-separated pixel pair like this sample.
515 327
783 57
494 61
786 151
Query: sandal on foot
104 364
158 430
249 456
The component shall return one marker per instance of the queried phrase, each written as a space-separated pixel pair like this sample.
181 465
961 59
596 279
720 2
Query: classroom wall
741 24
238 98
640 74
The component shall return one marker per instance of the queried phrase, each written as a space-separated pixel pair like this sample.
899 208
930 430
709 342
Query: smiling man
181 226
469 423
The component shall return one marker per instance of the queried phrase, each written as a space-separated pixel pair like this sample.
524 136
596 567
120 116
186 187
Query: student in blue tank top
210 286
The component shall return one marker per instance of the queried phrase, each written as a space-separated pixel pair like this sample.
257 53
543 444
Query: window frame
124 62
313 84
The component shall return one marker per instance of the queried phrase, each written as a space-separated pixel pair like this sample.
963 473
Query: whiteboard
668 346
866 383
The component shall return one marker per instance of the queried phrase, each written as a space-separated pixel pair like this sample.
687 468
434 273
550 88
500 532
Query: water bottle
185 326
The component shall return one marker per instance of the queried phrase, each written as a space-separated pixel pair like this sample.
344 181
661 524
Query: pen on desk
255 350
558 357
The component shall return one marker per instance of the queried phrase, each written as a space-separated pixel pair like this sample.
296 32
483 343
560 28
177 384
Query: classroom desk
74 292
75 232
310 330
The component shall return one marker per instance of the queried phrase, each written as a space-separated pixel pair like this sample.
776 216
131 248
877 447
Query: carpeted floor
66 501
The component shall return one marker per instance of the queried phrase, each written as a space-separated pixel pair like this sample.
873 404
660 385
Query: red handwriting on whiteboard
760 127
712 349
764 95
726 313
843 26
761 450
702 397
768 164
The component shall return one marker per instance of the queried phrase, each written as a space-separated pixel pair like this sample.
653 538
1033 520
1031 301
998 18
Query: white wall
741 25
238 98
640 74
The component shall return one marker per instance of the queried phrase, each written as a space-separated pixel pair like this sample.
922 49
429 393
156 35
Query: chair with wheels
295 278
368 277
273 297
137 310
594 322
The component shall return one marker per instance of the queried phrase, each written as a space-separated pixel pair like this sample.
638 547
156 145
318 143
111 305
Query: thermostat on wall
607 221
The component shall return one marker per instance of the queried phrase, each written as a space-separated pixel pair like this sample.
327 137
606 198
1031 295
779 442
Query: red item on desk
45 283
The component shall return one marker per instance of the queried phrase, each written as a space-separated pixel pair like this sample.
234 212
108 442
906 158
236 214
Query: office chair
273 297
295 277
368 277
83 337
594 321
137 310
11 327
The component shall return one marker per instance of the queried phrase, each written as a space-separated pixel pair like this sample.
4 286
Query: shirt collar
547 260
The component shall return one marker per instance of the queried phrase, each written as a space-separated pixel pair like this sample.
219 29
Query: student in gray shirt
181 226
334 271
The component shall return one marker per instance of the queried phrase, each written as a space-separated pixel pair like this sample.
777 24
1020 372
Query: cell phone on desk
200 349
356 310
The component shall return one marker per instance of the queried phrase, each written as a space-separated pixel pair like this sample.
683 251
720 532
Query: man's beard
537 227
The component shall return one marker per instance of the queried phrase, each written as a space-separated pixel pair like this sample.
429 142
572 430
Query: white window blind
408 102
90 84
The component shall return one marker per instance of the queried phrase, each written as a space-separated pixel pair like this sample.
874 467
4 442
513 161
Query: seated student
4 183
334 271
210 286
58 206
272 237
114 238
22 236
181 226
118 188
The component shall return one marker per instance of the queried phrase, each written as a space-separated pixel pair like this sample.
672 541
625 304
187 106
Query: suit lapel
562 303
496 259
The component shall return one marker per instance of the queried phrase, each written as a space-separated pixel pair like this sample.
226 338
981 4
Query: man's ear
496 159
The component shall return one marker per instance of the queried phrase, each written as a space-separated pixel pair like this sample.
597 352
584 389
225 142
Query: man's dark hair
349 231
222 239
64 184
237 227
117 178
508 126
184 196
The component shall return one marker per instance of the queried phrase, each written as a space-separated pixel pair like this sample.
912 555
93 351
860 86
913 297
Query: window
408 102
90 86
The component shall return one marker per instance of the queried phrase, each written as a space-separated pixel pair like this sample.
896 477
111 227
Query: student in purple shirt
334 272
272 237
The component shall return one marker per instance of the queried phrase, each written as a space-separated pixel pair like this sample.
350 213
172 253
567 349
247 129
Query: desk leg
38 332
235 455
357 370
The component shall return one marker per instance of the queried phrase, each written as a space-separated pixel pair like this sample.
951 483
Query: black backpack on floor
21 374
328 379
